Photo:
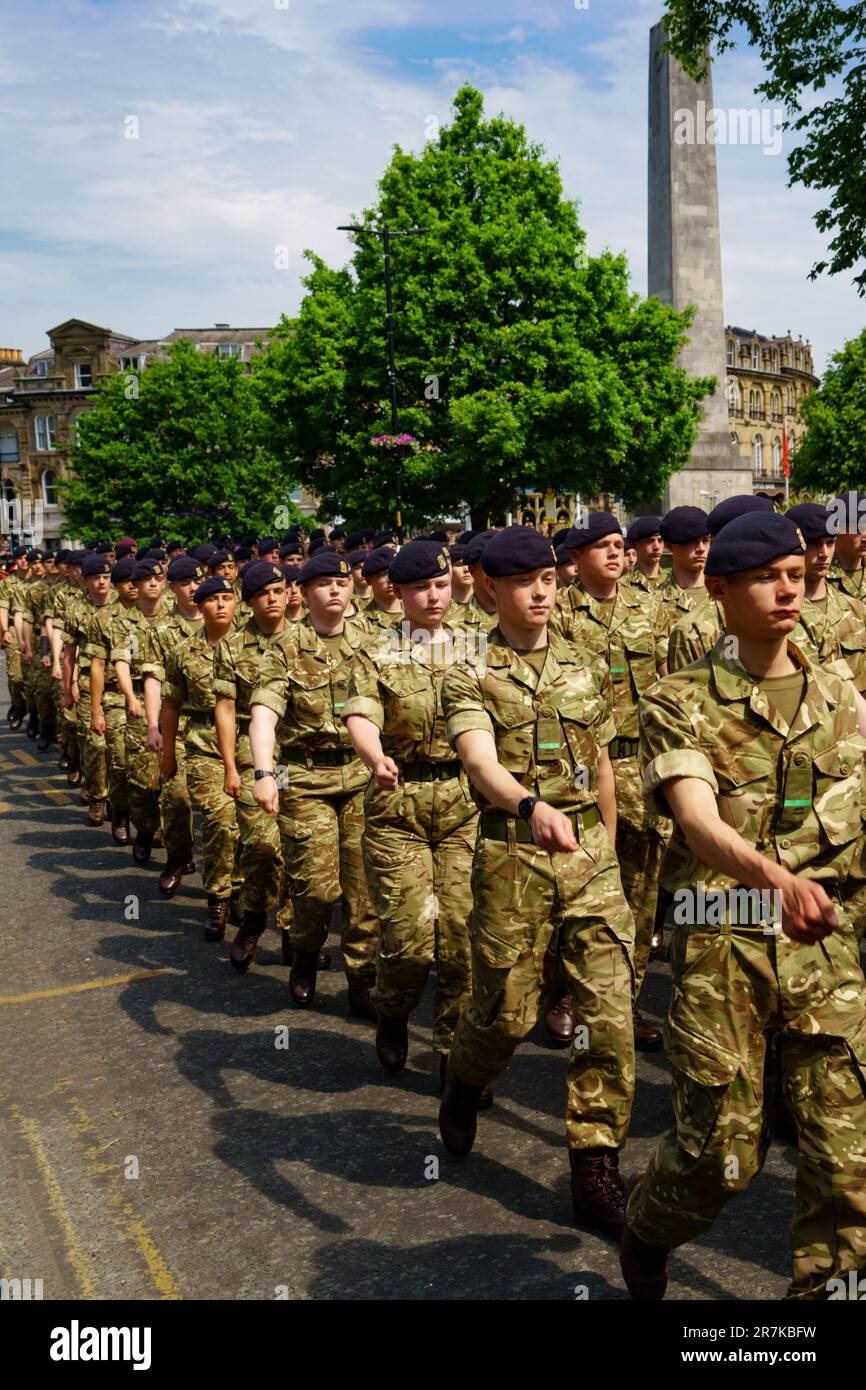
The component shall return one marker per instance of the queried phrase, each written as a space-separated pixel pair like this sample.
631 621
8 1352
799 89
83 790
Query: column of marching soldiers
509 760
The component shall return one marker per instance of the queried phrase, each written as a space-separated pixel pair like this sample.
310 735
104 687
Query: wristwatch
526 807
262 772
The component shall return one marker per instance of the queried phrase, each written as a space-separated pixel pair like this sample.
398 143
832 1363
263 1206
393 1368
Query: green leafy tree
176 448
805 45
832 456
522 362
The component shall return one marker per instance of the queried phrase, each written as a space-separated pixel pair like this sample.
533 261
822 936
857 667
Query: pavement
170 1129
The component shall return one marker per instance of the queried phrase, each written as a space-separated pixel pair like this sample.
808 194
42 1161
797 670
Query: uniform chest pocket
745 797
838 789
309 695
641 659
514 728
409 700
577 717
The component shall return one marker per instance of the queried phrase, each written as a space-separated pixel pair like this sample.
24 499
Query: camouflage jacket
397 686
548 728
237 668
373 618
99 644
161 637
80 618
638 580
624 638
127 633
189 683
471 614
793 794
64 594
38 603
851 582
307 687
671 603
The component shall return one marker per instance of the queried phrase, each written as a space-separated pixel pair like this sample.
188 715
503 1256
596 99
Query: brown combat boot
119 826
170 879
360 990
485 1100
458 1115
142 847
217 912
392 1042
95 812
597 1190
302 977
243 948
644 1267
559 1020
647 1038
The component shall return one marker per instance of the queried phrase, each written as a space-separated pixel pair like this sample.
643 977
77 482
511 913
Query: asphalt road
156 1143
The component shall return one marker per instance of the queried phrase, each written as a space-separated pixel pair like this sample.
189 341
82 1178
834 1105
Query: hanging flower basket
393 442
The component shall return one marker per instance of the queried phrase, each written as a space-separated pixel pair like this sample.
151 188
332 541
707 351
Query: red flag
786 463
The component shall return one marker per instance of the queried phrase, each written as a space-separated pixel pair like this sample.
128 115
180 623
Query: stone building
41 399
767 379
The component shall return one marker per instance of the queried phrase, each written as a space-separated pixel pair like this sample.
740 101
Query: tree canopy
521 361
176 448
806 47
832 456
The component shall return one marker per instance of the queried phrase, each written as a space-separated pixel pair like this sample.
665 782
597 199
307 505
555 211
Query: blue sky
265 123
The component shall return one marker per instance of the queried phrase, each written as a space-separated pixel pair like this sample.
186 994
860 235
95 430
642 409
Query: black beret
148 568
183 568
122 570
22 550
740 505
516 550
758 538
377 561
61 557
259 575
219 557
76 557
248 540
317 543
559 536
382 538
292 573
103 548
457 552
90 545
153 555
642 528
357 557
35 554
268 543
813 520
439 536
563 554
353 540
593 526
290 548
323 565
156 543
684 524
125 549
203 552
425 559
215 584
475 548
94 565
317 531
338 534
173 546
225 541
243 553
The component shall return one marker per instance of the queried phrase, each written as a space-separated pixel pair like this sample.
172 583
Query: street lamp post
386 233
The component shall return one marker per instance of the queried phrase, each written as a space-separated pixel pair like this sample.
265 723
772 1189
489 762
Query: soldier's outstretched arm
551 829
368 745
607 793
808 914
263 728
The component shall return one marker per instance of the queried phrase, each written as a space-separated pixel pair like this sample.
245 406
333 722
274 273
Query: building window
132 364
49 488
228 350
9 446
735 438
758 454
42 366
730 352
45 435
756 357
83 374
777 456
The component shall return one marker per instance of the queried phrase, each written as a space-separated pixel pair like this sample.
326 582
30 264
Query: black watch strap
527 806
262 772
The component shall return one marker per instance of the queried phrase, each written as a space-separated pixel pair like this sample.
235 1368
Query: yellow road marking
29 1131
124 1214
24 757
57 795
4 807
79 989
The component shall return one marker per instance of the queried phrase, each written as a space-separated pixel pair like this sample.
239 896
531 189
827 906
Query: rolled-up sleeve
463 704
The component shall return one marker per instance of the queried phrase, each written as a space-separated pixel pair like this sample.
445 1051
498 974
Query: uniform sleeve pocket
700 1079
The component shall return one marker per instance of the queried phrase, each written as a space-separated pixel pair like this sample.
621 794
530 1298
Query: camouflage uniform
113 707
671 603
189 683
91 746
127 632
471 614
21 603
237 663
638 580
851 582
14 659
528 905
742 993
67 719
624 637
321 816
175 808
37 606
419 838
374 619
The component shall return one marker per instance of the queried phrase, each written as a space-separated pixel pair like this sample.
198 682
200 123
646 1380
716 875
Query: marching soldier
384 609
420 820
685 533
479 610
127 633
532 731
108 699
10 636
645 538
188 699
849 526
759 758
298 703
77 653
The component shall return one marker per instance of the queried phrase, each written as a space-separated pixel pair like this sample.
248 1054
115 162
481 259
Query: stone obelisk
685 265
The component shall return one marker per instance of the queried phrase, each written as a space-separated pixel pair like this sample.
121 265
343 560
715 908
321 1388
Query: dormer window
228 350
42 366
83 374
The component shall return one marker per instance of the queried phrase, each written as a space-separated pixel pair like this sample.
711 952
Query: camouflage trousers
142 777
115 752
418 846
66 721
321 838
737 994
15 671
531 909
31 669
641 837
91 752
219 825
175 812
261 855
42 689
